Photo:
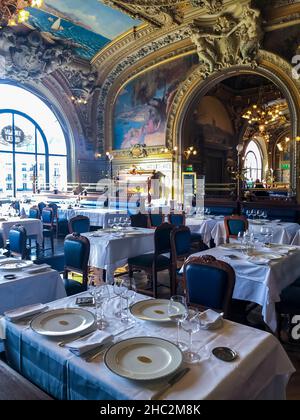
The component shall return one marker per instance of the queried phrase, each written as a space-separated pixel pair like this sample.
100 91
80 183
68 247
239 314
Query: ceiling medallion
13 12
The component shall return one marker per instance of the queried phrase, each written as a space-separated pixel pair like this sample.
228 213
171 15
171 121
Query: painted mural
87 25
141 109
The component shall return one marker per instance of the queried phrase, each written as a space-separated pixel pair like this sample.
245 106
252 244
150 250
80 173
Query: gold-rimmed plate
154 310
13 264
61 322
143 358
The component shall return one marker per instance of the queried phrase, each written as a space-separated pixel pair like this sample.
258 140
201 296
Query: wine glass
177 310
129 296
265 215
191 324
101 297
119 290
240 237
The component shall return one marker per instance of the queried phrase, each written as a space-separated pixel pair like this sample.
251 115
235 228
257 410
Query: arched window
253 162
33 151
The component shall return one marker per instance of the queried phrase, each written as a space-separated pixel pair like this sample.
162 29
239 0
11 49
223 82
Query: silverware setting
172 381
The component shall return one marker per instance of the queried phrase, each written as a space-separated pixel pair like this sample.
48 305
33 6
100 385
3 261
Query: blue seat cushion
73 287
48 233
296 283
289 300
196 237
146 260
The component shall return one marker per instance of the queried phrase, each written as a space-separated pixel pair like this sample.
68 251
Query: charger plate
143 358
61 322
13 264
155 310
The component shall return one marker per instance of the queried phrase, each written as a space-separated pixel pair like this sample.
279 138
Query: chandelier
264 115
13 12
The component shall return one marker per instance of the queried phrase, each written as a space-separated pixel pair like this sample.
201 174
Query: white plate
13 264
258 260
237 247
143 358
155 310
65 321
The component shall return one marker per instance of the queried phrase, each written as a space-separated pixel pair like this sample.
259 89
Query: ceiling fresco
85 25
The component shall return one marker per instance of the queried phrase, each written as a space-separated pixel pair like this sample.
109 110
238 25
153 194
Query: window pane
6 169
40 143
25 170
58 173
6 134
41 172
24 135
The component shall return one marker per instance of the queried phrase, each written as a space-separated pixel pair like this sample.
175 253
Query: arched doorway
271 67
253 163
33 149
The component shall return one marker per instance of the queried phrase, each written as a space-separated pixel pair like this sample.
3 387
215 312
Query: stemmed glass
240 237
191 324
129 296
119 290
177 310
101 297
265 215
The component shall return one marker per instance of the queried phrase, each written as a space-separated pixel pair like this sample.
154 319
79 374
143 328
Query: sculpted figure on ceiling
231 41
213 6
29 57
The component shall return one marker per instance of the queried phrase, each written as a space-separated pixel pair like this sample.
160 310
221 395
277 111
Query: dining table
282 232
111 248
204 225
99 217
34 227
21 286
261 369
260 274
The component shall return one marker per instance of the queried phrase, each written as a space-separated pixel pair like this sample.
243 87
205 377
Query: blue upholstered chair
17 238
234 225
177 219
41 206
76 252
156 262
34 213
180 249
48 226
156 219
54 207
209 283
79 224
140 220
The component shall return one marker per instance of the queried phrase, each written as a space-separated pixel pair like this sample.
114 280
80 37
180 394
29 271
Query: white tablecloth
283 233
98 217
261 371
261 284
32 226
203 226
111 251
28 289
296 240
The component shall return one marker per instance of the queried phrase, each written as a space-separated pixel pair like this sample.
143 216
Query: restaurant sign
7 136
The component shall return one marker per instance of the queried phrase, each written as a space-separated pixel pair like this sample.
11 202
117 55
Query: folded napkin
89 342
209 318
24 312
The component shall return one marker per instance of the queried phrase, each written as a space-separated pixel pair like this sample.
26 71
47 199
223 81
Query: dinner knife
170 383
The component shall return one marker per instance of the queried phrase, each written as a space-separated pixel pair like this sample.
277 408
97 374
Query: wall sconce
280 148
191 151
109 156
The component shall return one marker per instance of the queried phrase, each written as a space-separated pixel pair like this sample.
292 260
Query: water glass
191 324
177 310
119 290
129 296
101 298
